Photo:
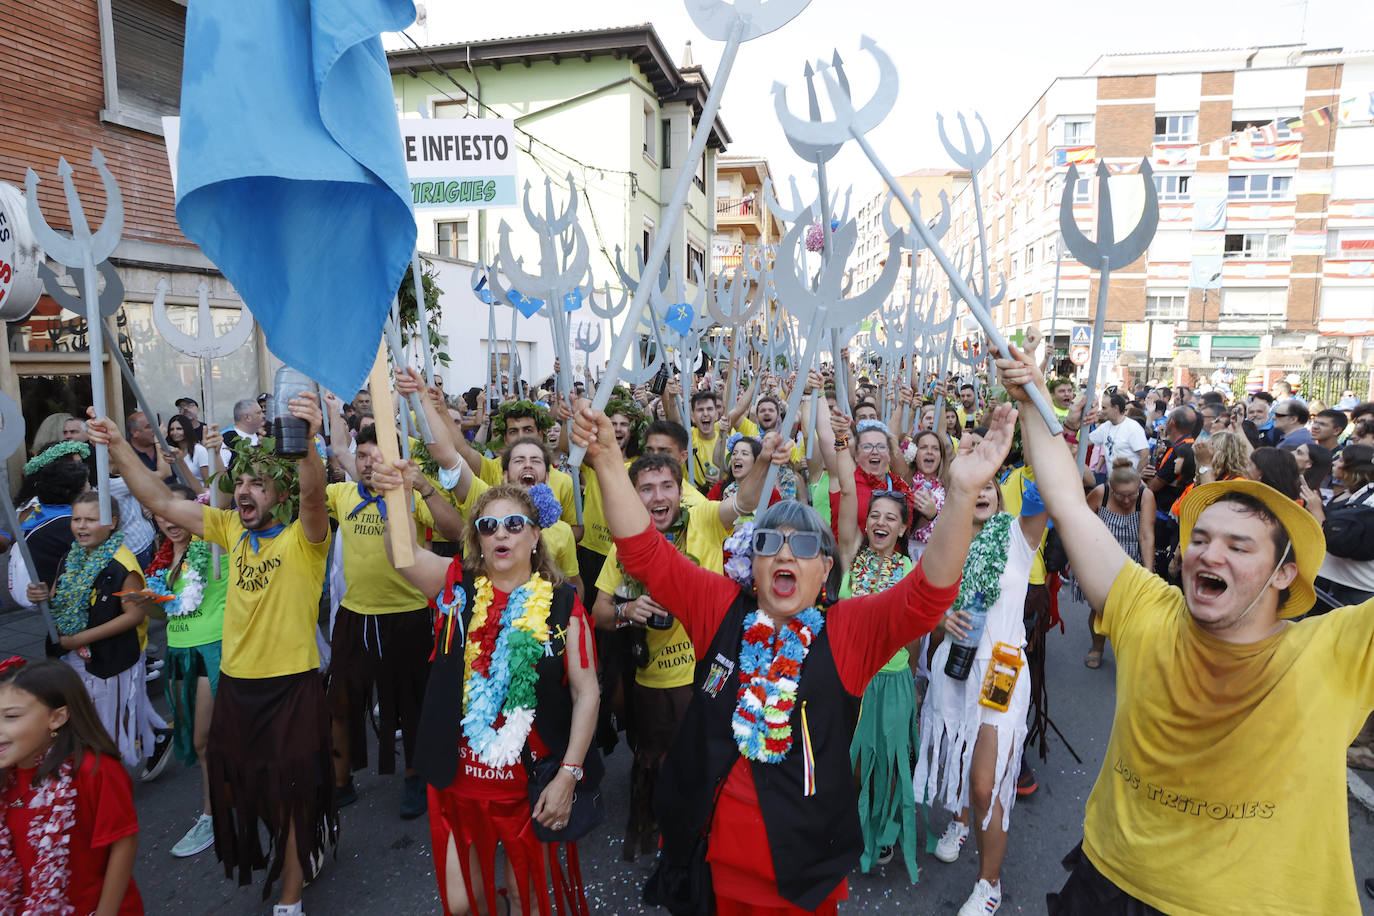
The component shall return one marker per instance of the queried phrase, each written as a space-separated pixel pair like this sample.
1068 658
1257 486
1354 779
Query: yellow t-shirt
596 534
1223 789
671 658
273 600
373 584
704 450
560 483
558 538
1011 497
125 557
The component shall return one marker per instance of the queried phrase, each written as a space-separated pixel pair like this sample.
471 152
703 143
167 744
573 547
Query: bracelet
841 442
432 491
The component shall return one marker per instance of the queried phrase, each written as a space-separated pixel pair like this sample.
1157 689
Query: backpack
1349 527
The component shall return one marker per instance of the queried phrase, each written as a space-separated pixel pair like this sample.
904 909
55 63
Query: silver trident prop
855 123
641 369
559 281
11 440
205 346
1106 254
823 307
734 24
732 303
586 340
83 250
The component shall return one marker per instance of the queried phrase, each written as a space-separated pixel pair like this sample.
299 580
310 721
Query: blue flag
290 173
679 318
528 305
572 301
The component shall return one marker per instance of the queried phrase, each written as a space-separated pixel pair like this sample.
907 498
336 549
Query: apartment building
1263 161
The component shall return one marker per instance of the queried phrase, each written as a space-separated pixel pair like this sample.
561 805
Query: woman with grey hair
756 799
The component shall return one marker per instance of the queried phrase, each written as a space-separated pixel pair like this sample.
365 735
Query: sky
994 57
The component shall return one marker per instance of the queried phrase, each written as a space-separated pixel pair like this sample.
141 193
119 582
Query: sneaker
885 854
156 762
984 900
415 801
956 834
199 838
282 909
345 795
1025 783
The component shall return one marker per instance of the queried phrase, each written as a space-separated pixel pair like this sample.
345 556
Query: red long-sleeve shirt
864 633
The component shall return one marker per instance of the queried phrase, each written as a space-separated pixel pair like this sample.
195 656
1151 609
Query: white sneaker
984 900
282 909
199 838
956 834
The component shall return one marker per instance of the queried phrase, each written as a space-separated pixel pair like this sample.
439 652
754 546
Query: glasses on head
872 446
805 544
514 524
889 494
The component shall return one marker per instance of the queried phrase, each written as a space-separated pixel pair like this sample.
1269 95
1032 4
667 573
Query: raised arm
429 571
1095 555
144 484
840 464
340 441
776 450
310 470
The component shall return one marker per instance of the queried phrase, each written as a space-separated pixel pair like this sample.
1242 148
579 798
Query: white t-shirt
198 462
1124 439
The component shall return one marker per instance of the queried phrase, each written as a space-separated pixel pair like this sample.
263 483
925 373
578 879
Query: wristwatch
576 771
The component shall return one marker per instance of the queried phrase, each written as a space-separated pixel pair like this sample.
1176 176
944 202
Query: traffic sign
1081 335
1079 355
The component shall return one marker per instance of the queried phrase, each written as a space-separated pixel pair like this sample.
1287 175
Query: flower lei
71 602
195 572
871 573
50 837
770 671
937 491
499 669
987 557
54 452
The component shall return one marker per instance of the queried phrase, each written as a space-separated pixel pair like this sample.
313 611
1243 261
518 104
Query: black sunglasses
805 544
486 525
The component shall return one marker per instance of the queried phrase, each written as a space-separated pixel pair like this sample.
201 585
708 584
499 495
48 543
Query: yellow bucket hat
1308 543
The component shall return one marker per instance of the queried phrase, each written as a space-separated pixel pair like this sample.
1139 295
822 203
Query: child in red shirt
60 776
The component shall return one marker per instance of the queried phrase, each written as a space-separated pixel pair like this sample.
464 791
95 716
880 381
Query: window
1350 244
667 144
141 46
696 263
452 239
1030 257
1176 128
1261 246
1172 187
1083 191
1254 305
451 108
701 169
645 240
1174 305
1078 131
1072 306
1281 131
650 129
1259 186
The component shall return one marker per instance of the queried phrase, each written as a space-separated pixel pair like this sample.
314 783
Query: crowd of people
806 643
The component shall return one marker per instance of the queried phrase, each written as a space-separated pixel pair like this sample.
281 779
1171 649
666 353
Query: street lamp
1210 280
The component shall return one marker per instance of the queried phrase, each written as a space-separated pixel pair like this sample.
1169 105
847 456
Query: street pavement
384 864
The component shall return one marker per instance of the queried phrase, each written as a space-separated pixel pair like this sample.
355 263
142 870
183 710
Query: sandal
1093 659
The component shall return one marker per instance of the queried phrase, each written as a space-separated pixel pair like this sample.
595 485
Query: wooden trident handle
397 501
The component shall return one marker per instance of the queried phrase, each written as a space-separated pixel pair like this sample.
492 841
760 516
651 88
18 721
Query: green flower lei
630 410
542 419
987 557
71 602
262 462
52 453
421 456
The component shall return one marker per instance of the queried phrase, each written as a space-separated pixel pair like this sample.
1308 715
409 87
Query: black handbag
685 888
588 809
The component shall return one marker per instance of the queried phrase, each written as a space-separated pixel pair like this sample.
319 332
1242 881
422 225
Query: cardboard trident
11 440
1106 254
83 250
205 346
559 282
854 123
720 21
643 367
108 303
732 303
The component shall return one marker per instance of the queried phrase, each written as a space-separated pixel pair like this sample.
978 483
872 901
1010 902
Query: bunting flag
1321 116
680 317
1270 133
288 125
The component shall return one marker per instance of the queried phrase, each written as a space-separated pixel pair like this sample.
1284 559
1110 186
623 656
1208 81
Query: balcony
743 213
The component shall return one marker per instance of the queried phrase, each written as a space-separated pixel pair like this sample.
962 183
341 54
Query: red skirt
483 823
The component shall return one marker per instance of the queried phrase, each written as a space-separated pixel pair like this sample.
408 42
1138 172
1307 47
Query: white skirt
950 721
116 701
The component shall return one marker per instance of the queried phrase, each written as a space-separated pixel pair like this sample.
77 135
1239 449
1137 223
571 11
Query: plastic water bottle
963 651
292 434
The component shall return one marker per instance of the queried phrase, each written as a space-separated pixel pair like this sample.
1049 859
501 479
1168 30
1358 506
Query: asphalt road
384 864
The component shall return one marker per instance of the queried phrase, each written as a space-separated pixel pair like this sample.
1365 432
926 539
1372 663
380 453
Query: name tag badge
720 672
